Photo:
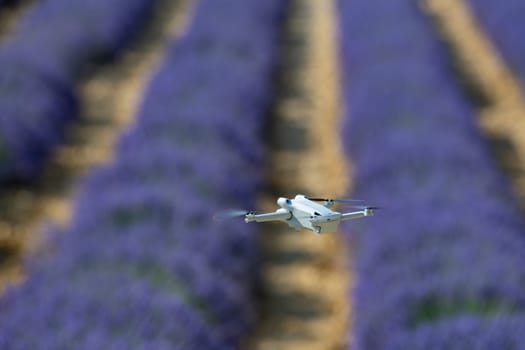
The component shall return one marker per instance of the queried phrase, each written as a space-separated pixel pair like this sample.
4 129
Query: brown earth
305 276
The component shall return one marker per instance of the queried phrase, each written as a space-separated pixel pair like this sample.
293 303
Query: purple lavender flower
39 66
449 245
143 265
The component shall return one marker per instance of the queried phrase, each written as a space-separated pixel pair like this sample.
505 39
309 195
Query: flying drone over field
305 212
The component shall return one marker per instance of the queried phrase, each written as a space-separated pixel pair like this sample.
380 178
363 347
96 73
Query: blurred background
126 125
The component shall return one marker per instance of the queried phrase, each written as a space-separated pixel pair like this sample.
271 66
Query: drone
305 212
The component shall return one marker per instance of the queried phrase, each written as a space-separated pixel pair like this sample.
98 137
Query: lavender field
236 111
449 249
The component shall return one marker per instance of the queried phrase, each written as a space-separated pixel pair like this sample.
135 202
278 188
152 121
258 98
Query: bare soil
305 276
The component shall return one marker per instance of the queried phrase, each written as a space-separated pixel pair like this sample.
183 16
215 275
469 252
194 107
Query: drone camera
284 202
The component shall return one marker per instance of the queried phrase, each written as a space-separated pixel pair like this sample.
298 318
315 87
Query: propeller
365 207
232 213
339 200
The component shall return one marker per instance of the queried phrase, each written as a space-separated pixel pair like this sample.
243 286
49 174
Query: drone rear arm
357 214
279 215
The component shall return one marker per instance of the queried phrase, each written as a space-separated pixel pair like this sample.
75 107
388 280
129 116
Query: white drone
304 212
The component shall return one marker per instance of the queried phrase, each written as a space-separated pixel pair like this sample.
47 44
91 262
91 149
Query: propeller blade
232 213
347 200
341 200
365 207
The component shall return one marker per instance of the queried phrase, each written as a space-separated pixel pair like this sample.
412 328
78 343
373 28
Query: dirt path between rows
501 104
110 96
305 276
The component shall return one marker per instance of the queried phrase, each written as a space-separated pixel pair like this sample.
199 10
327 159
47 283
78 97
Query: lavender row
143 265
39 66
441 267
504 23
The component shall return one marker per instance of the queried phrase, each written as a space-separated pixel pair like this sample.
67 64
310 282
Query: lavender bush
442 266
143 265
39 66
504 23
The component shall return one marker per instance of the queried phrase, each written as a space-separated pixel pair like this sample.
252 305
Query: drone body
304 212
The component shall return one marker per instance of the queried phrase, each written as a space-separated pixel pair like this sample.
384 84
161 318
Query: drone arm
279 215
357 214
